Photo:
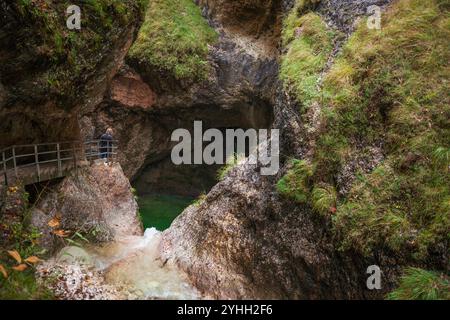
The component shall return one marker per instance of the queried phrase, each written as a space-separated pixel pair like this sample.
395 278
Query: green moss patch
174 39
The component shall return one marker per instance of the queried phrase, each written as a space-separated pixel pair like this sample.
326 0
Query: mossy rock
174 40
390 86
57 62
296 183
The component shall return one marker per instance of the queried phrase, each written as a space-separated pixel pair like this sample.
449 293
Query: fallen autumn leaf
61 233
15 255
53 223
3 271
20 267
32 260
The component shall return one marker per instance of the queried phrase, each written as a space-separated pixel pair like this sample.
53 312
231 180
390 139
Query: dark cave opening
165 189
163 176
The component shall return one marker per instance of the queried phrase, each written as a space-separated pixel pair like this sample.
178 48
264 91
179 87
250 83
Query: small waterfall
133 265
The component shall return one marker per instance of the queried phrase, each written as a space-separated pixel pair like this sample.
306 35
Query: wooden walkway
28 164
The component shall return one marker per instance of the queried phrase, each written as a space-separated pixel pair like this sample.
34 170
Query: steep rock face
243 64
125 108
342 14
255 18
238 92
245 241
96 201
129 90
45 83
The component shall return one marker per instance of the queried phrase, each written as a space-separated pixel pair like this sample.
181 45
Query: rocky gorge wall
246 240
237 92
49 74
280 237
304 67
245 220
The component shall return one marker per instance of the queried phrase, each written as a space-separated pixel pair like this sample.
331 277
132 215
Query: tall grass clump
307 42
387 89
419 284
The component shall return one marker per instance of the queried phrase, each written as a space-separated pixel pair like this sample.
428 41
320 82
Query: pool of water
159 211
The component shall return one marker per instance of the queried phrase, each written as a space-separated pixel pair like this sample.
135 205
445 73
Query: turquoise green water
160 210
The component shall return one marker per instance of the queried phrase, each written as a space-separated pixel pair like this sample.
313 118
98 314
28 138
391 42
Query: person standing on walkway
106 142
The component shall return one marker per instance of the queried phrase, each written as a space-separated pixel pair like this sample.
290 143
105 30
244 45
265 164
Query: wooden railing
40 162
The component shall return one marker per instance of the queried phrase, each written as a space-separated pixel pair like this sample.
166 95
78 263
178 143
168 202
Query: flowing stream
129 267
133 266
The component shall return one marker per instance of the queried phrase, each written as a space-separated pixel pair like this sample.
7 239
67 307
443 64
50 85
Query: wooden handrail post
75 157
58 155
36 158
15 162
74 154
5 173
108 151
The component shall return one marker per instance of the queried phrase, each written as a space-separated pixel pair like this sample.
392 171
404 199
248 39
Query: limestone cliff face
245 241
96 202
238 92
48 76
49 73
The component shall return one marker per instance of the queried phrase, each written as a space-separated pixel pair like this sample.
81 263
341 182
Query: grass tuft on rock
296 183
419 284
390 86
389 89
308 42
174 38
324 199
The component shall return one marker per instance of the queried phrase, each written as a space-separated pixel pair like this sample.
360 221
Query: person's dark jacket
106 143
